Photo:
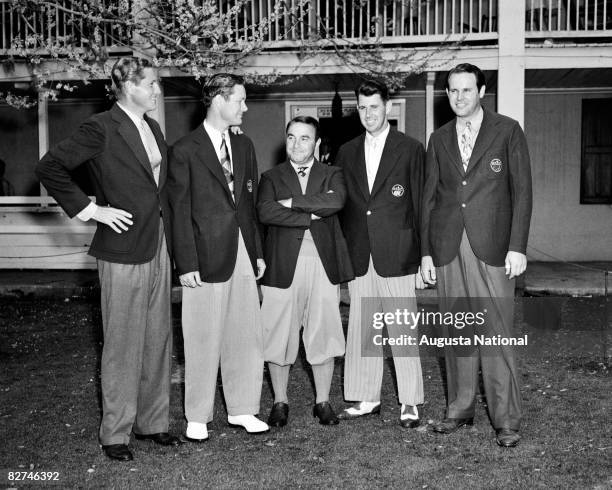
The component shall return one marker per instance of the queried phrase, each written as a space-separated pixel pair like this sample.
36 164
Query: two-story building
548 63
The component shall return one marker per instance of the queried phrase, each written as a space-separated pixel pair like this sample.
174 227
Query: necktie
151 148
226 163
371 164
466 144
302 171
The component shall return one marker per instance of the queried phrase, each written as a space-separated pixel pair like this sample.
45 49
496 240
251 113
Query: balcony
415 22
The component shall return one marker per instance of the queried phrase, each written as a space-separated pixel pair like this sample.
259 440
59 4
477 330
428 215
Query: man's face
463 94
301 143
373 113
233 107
144 93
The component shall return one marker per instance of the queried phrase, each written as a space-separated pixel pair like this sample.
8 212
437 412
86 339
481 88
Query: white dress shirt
216 137
373 152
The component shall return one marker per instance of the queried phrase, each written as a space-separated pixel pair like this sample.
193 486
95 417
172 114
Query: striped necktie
226 163
466 144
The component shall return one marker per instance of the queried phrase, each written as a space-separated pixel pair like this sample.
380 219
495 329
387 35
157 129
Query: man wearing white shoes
383 174
218 254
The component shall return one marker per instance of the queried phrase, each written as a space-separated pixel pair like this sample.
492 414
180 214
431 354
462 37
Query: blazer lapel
161 144
359 168
129 132
387 161
208 156
238 164
484 139
449 140
290 179
316 178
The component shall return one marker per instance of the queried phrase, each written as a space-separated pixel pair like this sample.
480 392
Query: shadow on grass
50 353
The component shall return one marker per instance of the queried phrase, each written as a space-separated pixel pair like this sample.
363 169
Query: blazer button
464 183
463 205
368 212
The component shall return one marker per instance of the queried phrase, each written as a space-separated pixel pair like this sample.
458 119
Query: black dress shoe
507 437
162 438
448 426
120 452
325 413
278 415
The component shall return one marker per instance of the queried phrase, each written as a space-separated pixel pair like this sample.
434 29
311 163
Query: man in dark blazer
475 223
126 155
217 250
306 259
383 173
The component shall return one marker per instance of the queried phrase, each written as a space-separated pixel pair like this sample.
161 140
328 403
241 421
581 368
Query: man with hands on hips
126 155
212 180
475 222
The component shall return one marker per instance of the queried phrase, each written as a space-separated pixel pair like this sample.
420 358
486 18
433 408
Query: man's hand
261 268
236 130
516 263
191 279
418 280
428 270
286 202
117 219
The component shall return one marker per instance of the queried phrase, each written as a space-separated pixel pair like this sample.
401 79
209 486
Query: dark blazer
205 218
285 226
491 201
383 223
110 145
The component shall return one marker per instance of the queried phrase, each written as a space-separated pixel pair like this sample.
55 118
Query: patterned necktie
466 144
226 163
151 148
302 171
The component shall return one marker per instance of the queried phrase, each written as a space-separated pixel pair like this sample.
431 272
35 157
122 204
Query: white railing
54 23
568 18
387 20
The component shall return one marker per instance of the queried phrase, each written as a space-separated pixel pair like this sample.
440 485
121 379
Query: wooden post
511 70
43 135
429 105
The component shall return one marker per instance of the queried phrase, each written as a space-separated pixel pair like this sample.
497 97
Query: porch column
43 134
511 71
159 114
429 105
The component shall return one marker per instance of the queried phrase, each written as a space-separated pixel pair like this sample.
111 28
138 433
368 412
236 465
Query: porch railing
568 18
390 21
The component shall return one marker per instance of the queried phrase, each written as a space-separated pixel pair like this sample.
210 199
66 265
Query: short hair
468 68
311 121
127 69
219 84
373 87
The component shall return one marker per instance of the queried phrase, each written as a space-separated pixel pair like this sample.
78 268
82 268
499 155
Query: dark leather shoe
507 437
448 426
325 413
278 415
162 438
120 452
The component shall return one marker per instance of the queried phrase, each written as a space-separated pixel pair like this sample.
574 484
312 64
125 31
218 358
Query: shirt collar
308 164
381 138
475 121
215 135
135 119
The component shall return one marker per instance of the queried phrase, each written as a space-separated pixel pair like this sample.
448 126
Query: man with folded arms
306 259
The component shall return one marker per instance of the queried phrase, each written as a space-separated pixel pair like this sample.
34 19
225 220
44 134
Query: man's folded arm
272 212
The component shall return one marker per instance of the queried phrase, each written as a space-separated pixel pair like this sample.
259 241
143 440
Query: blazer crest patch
496 165
397 190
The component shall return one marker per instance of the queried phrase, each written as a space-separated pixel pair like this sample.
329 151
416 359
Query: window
596 161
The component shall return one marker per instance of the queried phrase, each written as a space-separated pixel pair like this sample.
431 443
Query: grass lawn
49 415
